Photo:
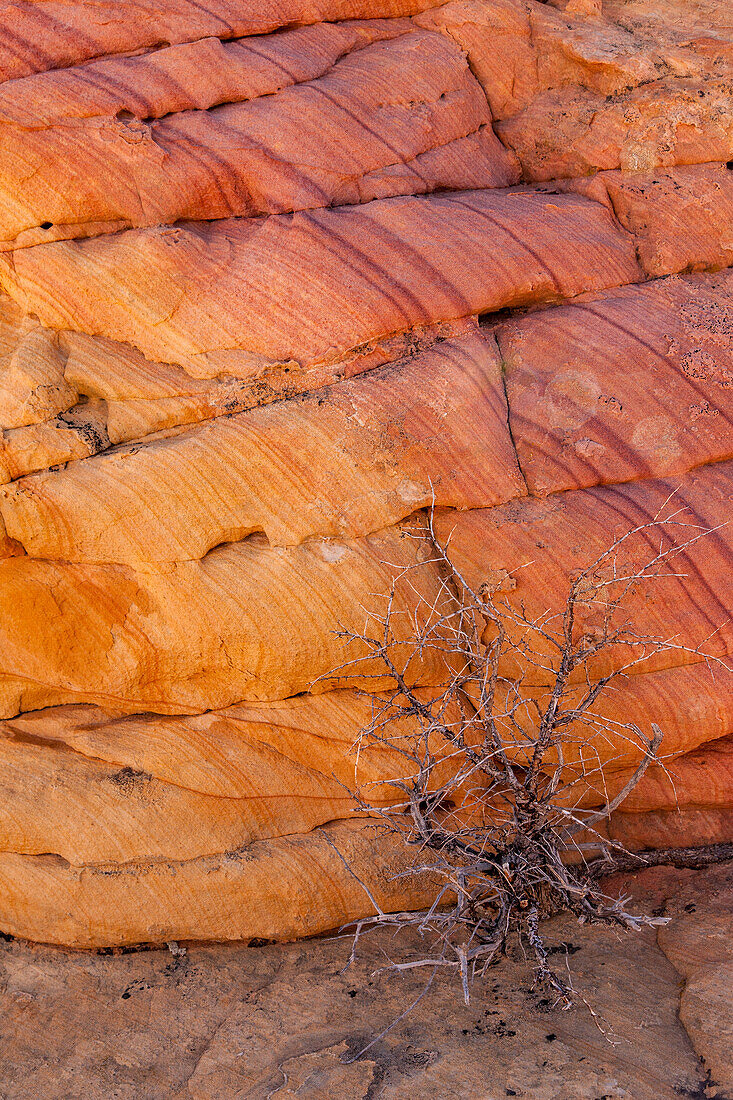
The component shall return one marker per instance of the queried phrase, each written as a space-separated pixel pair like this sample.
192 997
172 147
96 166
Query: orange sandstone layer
248 621
308 118
237 296
244 774
622 386
378 447
280 889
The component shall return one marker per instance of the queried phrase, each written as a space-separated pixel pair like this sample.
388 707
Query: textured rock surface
239 296
272 279
278 1021
328 137
263 624
383 444
600 86
285 888
581 414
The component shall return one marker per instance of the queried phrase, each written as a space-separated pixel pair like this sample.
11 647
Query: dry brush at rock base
517 830
271 277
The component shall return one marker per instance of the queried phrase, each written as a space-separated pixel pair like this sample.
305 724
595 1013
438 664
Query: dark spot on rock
134 987
129 778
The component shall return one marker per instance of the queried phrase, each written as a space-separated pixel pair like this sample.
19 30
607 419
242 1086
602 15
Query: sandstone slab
681 218
236 296
248 621
338 138
677 120
633 384
284 888
349 460
72 35
243 774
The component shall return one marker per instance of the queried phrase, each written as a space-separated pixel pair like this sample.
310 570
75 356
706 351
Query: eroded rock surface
228 1021
273 280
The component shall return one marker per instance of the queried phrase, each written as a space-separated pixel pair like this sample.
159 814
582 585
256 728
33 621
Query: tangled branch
503 788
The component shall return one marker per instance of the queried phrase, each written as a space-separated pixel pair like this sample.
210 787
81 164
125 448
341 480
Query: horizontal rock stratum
276 278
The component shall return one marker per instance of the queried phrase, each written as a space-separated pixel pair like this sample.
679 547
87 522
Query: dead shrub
503 787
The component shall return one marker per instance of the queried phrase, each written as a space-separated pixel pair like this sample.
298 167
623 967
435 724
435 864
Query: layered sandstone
274 280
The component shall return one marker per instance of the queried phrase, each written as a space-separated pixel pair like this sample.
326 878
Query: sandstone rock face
273 280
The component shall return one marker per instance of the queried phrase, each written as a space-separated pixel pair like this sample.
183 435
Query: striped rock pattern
275 277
